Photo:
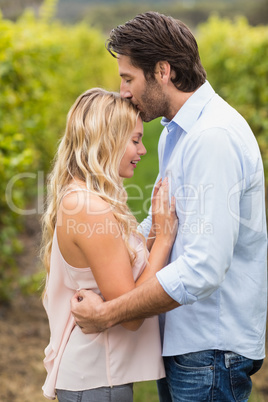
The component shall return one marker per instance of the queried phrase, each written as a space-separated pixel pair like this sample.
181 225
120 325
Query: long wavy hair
99 126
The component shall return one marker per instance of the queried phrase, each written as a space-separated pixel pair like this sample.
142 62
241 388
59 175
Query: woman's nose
142 150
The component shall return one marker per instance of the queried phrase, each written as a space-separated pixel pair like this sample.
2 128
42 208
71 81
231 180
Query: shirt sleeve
208 211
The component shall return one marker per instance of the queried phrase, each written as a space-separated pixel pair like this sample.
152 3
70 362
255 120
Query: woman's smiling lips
134 163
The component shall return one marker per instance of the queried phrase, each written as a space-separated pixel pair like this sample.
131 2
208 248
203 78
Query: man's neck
177 100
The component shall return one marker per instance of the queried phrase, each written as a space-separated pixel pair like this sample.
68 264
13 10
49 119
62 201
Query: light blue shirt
218 264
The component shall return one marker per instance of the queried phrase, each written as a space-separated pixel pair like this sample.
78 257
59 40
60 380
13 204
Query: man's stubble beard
154 103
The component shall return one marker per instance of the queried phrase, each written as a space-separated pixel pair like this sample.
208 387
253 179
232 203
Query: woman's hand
164 218
163 231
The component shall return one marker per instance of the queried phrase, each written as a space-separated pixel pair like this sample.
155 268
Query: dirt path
24 332
24 335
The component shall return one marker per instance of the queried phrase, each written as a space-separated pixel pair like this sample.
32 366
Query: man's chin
145 118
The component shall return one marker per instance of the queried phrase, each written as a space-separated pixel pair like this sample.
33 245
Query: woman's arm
95 241
101 247
150 239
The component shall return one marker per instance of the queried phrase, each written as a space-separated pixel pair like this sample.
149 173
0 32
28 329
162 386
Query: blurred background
50 52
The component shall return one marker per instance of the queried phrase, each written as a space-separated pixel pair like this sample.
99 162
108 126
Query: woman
90 240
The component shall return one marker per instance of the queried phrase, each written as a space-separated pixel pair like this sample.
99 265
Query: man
214 288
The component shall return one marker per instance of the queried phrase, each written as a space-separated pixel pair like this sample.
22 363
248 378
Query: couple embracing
155 301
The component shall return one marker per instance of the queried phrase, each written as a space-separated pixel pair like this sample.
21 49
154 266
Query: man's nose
124 92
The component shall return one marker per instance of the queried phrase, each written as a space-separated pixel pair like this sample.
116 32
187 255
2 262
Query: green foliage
15 158
32 284
48 10
44 66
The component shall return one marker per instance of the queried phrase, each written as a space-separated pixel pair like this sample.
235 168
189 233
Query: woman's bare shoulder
85 201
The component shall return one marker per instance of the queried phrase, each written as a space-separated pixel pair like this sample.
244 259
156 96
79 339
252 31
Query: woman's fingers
173 205
157 187
162 198
160 202
165 220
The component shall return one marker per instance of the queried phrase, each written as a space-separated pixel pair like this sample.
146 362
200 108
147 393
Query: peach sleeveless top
76 361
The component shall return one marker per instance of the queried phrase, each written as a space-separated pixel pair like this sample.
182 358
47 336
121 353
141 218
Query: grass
256 396
147 392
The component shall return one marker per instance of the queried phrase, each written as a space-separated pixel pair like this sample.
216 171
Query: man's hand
93 315
87 306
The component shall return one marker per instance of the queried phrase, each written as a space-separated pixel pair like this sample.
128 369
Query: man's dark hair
152 37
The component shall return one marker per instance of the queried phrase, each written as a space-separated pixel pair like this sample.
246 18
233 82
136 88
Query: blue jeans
209 376
119 393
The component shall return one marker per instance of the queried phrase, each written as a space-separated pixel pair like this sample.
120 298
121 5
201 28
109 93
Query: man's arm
92 314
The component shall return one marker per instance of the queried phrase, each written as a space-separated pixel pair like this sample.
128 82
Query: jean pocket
196 361
240 368
193 377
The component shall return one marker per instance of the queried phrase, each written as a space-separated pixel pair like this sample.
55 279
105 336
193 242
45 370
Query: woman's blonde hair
98 129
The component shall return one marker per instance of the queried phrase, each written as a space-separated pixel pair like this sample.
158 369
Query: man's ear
163 70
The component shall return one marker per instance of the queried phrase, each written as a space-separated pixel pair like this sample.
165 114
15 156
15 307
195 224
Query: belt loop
227 360
227 357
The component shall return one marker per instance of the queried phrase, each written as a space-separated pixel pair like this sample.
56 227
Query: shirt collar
192 108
